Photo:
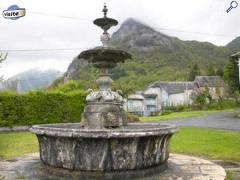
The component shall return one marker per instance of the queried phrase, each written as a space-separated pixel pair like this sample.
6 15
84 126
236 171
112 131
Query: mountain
156 56
141 38
234 45
31 80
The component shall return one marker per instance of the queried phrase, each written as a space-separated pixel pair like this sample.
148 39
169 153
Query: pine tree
195 71
231 75
219 72
211 70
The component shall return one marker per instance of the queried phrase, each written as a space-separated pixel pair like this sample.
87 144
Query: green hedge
41 107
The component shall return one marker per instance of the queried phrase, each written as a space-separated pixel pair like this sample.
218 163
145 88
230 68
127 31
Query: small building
159 95
163 94
173 93
135 104
216 85
151 101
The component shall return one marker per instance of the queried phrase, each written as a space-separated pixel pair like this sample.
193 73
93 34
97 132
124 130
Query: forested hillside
156 56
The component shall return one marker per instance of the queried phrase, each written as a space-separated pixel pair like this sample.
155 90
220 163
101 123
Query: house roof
173 87
236 54
136 97
210 81
149 95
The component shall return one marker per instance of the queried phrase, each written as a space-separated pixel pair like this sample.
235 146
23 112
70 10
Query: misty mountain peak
133 34
134 24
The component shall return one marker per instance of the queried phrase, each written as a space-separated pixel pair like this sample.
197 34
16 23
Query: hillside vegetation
156 56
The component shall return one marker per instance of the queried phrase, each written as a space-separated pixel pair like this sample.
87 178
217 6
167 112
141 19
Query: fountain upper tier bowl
104 57
131 147
105 23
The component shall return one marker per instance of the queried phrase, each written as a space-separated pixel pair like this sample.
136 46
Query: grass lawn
17 144
177 115
212 144
209 143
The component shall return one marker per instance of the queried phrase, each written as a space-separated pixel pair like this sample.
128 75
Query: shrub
201 98
41 107
224 104
166 112
132 118
178 108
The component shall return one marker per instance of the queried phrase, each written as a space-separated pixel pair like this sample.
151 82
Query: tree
201 98
231 75
211 70
195 71
219 72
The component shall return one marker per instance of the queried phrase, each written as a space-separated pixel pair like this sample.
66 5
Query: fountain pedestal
104 115
104 107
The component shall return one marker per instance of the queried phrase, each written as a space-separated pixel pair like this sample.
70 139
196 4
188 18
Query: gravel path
221 120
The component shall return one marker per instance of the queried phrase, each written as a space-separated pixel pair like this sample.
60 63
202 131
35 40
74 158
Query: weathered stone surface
14 128
103 115
103 142
136 146
29 167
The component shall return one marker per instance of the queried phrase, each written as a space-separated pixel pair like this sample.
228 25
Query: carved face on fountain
104 100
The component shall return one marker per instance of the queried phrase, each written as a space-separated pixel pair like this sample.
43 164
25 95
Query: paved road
222 120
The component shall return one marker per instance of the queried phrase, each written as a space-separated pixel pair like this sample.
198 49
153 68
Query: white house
135 104
173 93
158 95
151 101
162 94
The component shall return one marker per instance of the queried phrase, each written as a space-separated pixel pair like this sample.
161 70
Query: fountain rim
154 129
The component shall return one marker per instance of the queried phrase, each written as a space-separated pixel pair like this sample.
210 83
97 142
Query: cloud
44 26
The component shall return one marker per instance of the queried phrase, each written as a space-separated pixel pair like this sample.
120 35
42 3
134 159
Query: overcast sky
46 27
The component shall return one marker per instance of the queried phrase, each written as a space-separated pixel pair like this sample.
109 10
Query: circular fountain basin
132 147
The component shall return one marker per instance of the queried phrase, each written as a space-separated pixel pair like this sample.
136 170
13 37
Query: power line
158 28
32 50
56 15
60 16
201 33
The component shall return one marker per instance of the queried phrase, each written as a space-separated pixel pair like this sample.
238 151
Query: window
130 104
151 108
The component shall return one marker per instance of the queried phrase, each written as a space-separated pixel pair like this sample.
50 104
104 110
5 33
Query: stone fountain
104 141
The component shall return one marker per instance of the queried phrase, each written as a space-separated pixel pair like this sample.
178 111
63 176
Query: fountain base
132 147
179 167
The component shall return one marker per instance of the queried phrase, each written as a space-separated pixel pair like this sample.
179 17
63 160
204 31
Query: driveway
221 120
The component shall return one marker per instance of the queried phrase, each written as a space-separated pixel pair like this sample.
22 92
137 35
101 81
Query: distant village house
168 93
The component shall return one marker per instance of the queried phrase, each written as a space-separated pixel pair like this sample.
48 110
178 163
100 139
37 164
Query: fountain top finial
105 10
105 23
